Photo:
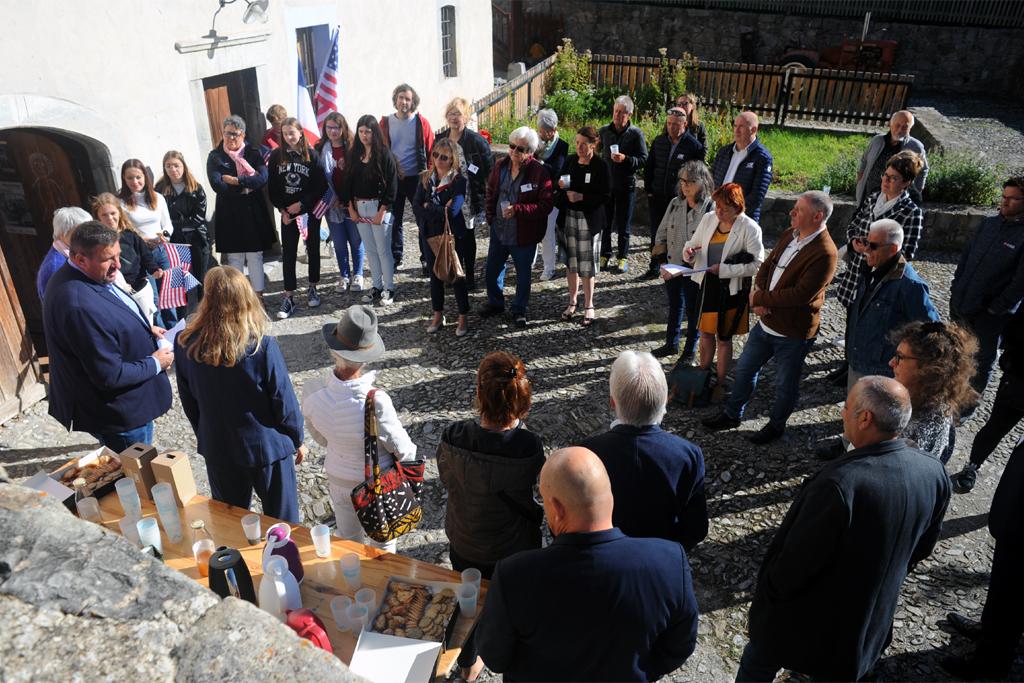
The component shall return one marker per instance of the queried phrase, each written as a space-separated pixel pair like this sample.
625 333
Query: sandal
568 313
588 321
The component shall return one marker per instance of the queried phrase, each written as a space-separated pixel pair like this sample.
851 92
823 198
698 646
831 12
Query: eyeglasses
334 128
517 148
686 181
232 134
892 177
899 357
440 157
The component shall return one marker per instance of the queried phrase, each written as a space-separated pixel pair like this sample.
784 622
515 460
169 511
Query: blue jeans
345 236
789 356
168 316
121 441
619 216
683 295
497 260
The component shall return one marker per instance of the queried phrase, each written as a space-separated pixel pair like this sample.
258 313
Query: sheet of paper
170 334
674 270
390 659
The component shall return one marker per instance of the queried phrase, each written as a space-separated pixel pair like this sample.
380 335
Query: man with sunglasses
890 294
988 284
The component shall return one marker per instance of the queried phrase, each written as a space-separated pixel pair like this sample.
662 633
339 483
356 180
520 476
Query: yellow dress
711 300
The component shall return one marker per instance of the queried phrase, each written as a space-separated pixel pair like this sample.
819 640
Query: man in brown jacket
788 294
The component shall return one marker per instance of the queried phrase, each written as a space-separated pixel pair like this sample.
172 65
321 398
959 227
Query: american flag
325 202
177 279
326 97
302 223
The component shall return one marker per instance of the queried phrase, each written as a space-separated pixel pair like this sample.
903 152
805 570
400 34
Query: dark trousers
683 296
619 216
656 205
469 652
1002 620
290 250
460 286
1007 411
274 484
406 192
988 329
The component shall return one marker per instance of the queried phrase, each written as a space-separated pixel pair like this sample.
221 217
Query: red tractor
852 54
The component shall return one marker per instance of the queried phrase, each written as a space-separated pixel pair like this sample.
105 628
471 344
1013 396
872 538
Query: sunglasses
517 148
873 246
440 157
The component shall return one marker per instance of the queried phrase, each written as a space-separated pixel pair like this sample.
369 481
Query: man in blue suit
107 366
745 162
595 604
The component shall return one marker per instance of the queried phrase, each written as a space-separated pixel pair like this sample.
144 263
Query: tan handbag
447 266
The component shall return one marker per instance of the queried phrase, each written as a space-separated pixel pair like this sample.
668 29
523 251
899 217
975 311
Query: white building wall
110 70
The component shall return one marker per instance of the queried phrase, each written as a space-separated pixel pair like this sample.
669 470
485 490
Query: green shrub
570 71
571 105
840 174
499 129
959 178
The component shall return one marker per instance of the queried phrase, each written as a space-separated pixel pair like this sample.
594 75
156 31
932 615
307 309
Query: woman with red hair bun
727 248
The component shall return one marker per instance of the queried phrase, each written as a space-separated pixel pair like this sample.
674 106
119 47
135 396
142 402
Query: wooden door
20 379
230 93
218 108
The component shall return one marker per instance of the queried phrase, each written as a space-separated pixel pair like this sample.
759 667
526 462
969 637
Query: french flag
304 111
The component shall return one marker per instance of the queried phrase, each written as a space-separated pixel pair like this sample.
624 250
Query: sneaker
357 283
387 297
313 300
623 265
519 319
765 435
371 296
964 480
287 308
545 276
343 284
604 263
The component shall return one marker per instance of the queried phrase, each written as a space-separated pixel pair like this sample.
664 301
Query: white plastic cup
321 534
614 149
467 599
149 533
505 205
358 617
89 509
167 508
128 494
471 577
251 528
565 180
367 597
350 570
339 610
129 529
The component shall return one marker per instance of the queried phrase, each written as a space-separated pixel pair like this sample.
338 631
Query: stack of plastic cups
339 609
350 570
367 597
167 508
128 494
358 618
149 534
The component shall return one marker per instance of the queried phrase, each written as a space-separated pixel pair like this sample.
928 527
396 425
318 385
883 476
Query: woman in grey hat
333 405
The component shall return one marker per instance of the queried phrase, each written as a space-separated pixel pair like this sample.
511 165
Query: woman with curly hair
935 362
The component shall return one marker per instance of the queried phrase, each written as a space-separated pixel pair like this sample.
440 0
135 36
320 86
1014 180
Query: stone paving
431 381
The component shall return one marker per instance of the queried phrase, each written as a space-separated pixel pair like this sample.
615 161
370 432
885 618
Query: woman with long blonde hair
236 393
136 257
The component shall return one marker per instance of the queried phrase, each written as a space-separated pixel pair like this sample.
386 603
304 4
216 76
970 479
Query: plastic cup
467 599
167 508
614 149
321 534
89 509
129 529
358 617
471 577
339 610
350 570
251 528
149 533
565 180
367 597
128 494
202 550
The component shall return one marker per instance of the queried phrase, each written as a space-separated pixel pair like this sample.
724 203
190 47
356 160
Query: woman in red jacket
519 199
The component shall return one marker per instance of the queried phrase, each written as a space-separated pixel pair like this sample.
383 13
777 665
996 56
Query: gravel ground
995 128
431 378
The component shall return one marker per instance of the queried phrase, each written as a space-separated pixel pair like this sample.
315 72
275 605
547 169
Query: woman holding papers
678 225
584 188
727 248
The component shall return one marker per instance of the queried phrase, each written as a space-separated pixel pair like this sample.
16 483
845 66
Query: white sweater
151 223
334 418
744 236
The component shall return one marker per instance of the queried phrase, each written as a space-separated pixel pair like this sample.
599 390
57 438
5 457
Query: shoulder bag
447 267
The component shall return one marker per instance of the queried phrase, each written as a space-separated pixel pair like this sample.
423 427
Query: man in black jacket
624 149
829 583
1002 620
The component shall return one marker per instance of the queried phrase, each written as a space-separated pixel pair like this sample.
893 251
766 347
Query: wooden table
323 579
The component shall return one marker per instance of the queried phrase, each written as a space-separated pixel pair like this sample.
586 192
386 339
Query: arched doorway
41 170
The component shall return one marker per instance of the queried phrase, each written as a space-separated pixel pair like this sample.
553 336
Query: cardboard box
137 463
45 483
174 468
97 484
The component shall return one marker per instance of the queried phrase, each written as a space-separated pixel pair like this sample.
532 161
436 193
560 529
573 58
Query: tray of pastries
100 469
423 611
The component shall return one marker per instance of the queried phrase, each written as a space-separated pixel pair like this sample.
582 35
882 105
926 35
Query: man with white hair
595 605
881 148
827 590
746 162
657 477
625 151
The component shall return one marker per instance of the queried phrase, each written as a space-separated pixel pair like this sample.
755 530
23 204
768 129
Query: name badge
586 178
526 188
473 169
680 156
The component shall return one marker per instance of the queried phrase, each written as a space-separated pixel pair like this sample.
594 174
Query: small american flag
177 279
326 96
302 223
325 202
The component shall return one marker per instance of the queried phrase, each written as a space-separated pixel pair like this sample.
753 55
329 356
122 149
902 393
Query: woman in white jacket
333 405
728 245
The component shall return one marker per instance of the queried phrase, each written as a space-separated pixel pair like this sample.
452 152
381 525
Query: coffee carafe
280 543
229 576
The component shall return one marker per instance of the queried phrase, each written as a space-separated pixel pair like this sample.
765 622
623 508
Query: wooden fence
776 94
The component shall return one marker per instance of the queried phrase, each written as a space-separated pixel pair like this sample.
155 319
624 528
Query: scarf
242 167
883 206
547 148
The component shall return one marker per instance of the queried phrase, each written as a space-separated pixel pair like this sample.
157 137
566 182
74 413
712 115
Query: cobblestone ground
431 380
